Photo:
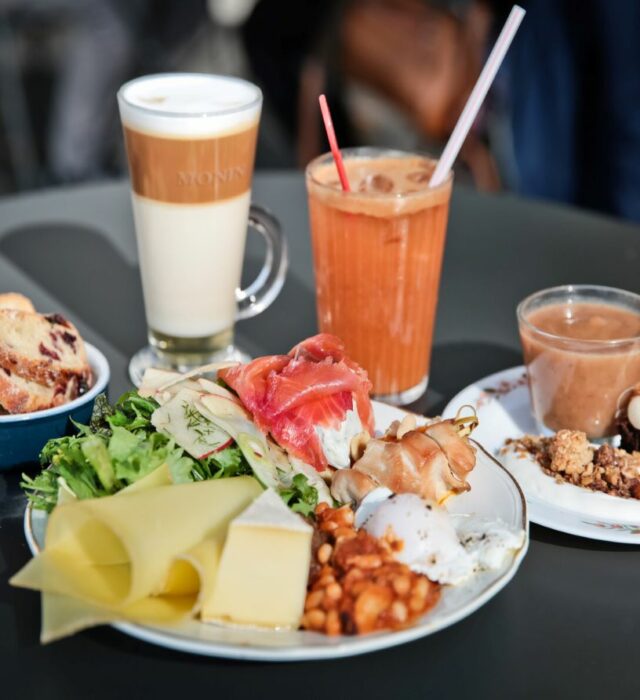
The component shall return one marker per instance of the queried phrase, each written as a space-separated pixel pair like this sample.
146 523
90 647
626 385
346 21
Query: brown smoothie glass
581 347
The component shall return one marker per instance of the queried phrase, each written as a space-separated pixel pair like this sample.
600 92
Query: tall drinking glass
377 259
190 141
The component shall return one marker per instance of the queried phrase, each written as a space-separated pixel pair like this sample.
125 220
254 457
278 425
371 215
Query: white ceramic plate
502 403
493 493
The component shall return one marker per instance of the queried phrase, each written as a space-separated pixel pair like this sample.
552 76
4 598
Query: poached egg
448 549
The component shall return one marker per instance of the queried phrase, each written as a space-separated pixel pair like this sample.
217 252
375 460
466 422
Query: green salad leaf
132 412
68 461
96 453
120 445
300 496
102 409
222 464
117 448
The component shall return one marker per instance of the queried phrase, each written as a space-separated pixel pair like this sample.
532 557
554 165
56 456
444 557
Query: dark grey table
568 626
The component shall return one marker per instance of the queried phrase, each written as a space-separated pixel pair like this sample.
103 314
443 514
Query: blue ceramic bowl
23 436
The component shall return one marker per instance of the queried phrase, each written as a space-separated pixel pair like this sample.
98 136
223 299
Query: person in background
562 122
88 48
574 79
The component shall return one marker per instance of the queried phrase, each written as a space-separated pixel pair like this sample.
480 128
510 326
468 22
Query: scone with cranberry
43 361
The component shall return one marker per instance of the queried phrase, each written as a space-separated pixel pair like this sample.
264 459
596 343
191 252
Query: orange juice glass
377 257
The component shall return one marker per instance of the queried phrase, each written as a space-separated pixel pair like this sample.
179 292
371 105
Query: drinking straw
476 98
333 142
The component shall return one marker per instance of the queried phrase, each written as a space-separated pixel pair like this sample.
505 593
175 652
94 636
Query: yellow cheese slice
262 579
65 494
194 573
161 476
147 555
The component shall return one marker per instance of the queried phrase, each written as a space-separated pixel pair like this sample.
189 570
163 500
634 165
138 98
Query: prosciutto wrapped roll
431 461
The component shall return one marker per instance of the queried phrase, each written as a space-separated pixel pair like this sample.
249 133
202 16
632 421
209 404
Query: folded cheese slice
160 476
148 555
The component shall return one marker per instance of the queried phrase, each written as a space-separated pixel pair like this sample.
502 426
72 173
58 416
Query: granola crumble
568 456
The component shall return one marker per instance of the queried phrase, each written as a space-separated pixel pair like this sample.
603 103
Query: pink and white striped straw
476 98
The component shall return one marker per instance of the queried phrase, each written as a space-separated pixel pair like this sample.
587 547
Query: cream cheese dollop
336 442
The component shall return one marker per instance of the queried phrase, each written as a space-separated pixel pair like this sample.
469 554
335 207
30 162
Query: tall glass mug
377 257
190 141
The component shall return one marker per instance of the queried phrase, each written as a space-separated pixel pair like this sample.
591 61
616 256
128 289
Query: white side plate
502 404
493 493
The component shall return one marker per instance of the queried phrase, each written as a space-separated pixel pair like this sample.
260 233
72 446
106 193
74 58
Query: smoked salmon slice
291 395
324 345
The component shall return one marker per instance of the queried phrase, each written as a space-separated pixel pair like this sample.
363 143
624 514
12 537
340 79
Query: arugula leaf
133 412
102 410
300 496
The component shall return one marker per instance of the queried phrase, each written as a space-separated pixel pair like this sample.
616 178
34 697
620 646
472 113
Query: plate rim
353 646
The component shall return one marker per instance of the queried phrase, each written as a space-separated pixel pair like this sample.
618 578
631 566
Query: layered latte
190 143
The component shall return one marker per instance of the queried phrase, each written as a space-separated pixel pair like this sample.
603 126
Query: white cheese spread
336 443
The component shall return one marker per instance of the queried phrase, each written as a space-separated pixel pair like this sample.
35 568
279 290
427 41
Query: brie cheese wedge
262 579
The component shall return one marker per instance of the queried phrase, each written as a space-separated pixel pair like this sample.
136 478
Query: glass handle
267 285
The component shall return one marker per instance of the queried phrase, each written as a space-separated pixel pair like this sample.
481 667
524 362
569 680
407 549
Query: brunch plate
494 492
502 405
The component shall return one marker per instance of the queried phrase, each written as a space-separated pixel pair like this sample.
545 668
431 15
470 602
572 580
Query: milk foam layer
189 104
191 262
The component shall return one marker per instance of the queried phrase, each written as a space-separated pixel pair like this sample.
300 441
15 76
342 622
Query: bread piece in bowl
45 349
13 300
19 395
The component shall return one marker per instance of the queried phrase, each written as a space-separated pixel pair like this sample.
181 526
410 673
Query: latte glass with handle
190 141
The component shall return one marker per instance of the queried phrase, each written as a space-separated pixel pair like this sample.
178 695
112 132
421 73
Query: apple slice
224 446
153 379
217 390
221 406
195 433
196 372
234 420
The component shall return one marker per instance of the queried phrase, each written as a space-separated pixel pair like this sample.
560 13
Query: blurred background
562 121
